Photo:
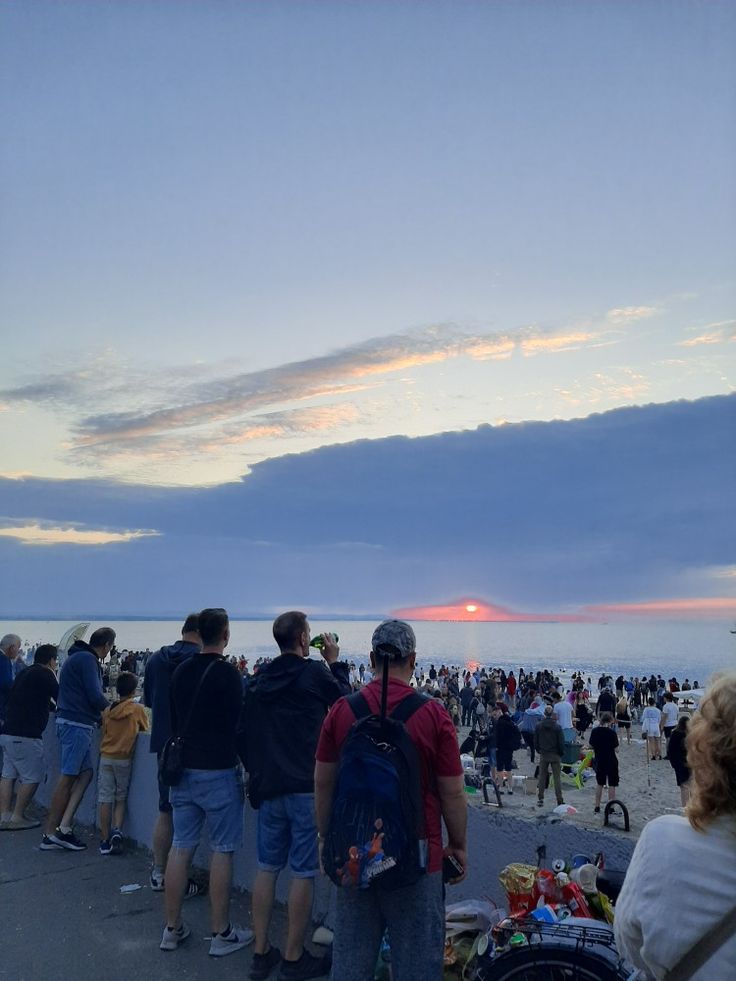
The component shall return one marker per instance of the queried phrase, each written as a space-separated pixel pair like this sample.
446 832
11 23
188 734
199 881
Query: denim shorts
287 832
74 744
214 796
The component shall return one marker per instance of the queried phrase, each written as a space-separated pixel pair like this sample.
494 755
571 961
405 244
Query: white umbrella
73 633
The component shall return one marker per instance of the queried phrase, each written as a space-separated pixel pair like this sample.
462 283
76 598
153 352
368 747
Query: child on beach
121 724
604 743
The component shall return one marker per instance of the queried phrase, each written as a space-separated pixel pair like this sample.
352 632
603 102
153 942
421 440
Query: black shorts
606 772
503 759
682 775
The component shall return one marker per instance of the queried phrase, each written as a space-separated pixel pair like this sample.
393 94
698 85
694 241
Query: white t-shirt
670 712
563 711
678 886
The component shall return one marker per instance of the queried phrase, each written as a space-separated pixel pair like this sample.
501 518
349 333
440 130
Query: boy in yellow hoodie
121 724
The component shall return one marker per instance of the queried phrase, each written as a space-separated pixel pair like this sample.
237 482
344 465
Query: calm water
684 649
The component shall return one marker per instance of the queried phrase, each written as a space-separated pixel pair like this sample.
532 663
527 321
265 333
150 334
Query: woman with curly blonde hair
683 870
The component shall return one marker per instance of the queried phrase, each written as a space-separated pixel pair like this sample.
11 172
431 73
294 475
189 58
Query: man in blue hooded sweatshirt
79 710
156 696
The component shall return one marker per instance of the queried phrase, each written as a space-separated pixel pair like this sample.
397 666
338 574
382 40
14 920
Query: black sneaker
67 840
105 847
47 845
308 966
116 841
263 964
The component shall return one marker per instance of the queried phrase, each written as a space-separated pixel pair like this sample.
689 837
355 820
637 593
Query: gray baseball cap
393 639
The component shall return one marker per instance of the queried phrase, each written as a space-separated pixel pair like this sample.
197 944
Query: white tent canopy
694 695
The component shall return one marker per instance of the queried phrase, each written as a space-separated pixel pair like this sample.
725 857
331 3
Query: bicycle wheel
548 963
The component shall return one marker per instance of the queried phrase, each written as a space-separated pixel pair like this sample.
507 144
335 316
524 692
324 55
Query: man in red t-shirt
414 915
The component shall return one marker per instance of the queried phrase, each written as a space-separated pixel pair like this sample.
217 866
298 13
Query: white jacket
679 884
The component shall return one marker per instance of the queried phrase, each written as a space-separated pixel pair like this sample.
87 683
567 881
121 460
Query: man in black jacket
33 694
206 699
283 712
156 696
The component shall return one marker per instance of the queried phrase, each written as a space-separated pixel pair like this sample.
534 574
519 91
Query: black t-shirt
603 742
27 712
209 739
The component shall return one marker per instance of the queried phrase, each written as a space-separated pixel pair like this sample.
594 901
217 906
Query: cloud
621 316
710 607
164 407
42 534
722 332
631 504
560 342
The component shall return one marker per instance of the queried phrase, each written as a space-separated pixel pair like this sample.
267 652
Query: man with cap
549 742
414 914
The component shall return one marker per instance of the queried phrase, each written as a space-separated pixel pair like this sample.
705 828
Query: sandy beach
646 795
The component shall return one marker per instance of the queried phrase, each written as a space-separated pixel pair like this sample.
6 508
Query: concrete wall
494 838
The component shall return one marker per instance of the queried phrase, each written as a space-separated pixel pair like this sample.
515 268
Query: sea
683 649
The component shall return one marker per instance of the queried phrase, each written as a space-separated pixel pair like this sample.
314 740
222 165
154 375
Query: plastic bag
471 916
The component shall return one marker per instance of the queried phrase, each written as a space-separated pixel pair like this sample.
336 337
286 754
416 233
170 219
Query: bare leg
301 895
264 890
24 796
221 879
59 802
163 834
598 795
177 875
105 815
6 795
612 793
75 798
685 794
118 814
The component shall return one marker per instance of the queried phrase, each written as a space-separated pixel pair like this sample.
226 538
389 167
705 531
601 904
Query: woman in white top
682 878
651 730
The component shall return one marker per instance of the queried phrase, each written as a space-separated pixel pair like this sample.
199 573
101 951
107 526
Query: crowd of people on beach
293 725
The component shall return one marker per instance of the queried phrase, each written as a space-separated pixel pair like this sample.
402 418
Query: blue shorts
74 744
287 831
212 795
492 758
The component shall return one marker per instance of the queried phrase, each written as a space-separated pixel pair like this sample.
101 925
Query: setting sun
471 608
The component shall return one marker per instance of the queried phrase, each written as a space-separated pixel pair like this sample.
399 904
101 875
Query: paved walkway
64 918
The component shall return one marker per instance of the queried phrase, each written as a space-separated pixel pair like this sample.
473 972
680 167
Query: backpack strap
359 706
408 706
402 713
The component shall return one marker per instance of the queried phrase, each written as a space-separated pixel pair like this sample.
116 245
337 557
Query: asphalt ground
64 918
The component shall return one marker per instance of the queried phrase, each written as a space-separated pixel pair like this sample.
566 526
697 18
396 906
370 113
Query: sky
292 293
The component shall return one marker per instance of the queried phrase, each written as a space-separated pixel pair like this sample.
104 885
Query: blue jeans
214 796
287 832
415 919
74 744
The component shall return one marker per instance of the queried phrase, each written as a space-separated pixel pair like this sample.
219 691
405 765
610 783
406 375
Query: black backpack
376 832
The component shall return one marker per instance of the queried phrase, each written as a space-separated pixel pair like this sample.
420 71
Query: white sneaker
235 940
172 938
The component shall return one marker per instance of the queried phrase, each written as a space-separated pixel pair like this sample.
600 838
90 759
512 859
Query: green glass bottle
319 641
